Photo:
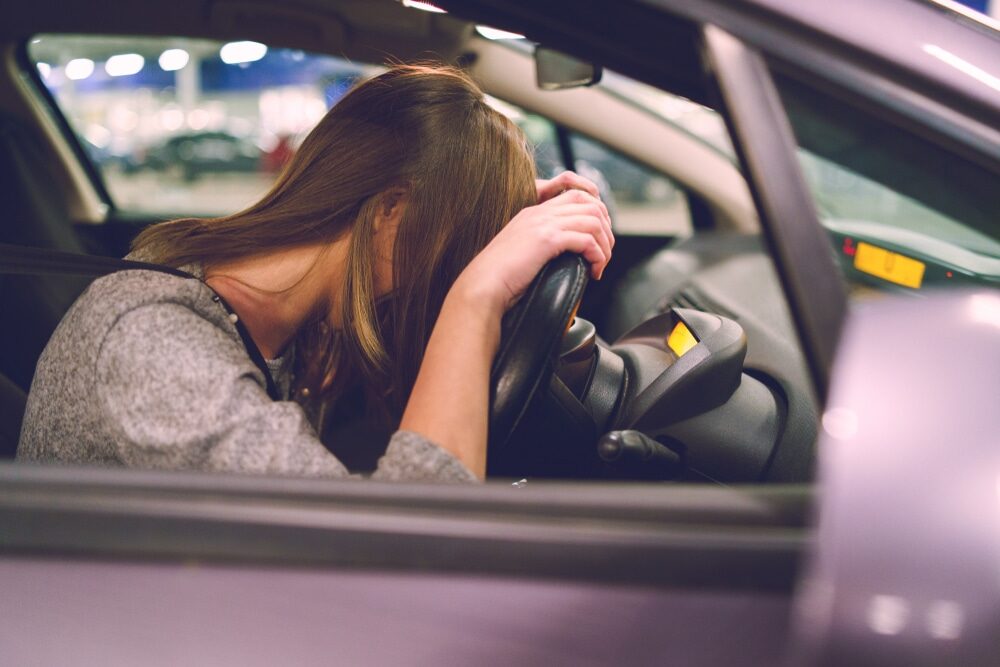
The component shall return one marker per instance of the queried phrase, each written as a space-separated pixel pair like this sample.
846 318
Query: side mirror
556 70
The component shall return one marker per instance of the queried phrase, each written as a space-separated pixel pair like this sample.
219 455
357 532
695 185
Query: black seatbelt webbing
29 261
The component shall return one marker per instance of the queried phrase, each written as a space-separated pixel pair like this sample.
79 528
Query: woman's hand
568 180
449 403
573 221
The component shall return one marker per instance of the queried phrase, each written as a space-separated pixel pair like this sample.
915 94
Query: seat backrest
30 306
12 401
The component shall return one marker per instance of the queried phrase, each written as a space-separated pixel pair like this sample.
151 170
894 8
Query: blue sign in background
278 67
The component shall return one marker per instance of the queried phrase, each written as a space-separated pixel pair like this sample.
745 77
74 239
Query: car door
587 572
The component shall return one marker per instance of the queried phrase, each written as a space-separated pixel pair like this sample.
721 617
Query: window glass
541 134
699 121
180 126
197 127
646 202
903 214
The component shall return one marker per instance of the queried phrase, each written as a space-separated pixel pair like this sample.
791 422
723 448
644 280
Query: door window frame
661 535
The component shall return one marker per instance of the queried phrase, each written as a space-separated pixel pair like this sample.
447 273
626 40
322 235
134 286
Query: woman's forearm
449 404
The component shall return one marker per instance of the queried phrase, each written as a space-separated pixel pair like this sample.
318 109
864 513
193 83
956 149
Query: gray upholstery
12 399
30 306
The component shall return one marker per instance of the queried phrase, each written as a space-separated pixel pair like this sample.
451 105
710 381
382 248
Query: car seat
12 401
30 306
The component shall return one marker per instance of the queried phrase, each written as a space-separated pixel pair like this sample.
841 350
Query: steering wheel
529 342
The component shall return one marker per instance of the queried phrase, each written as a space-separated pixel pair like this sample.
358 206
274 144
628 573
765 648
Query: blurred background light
79 68
98 135
122 119
173 59
197 119
171 119
125 64
235 53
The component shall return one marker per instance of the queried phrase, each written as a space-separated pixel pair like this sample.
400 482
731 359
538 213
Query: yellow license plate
890 266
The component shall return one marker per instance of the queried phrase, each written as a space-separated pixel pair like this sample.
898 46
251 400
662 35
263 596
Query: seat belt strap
29 261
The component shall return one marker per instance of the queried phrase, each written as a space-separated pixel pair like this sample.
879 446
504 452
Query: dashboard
888 258
696 357
731 276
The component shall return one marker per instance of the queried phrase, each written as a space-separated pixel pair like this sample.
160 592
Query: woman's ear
391 208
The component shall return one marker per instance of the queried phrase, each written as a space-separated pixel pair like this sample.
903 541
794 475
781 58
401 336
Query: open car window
198 127
181 126
201 127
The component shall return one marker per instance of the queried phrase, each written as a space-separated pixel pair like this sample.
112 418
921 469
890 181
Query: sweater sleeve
181 393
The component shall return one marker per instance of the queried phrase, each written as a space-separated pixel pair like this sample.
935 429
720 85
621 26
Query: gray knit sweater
146 370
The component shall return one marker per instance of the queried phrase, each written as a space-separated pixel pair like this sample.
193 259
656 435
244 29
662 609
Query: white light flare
173 59
963 66
79 69
888 614
985 309
944 620
840 423
237 53
506 109
496 33
125 64
423 6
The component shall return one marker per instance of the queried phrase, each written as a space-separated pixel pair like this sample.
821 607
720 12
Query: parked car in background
201 153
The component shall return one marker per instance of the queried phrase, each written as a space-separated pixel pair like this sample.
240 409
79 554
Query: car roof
924 46
929 40
919 37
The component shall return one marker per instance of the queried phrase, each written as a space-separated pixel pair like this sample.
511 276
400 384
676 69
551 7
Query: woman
381 262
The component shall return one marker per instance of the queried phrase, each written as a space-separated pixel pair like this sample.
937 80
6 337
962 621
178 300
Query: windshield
179 126
699 121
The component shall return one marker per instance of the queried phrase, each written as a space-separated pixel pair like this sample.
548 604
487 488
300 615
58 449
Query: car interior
682 364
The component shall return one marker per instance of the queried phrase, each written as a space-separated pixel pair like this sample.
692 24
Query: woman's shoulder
111 297
144 285
132 288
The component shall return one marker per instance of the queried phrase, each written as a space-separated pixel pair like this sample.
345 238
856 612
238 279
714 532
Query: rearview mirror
556 70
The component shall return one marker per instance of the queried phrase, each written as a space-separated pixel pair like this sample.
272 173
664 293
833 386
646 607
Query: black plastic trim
654 535
565 146
54 111
797 241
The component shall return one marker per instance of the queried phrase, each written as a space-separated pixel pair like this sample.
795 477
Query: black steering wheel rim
529 342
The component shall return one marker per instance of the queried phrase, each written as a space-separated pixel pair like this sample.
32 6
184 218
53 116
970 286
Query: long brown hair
467 170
